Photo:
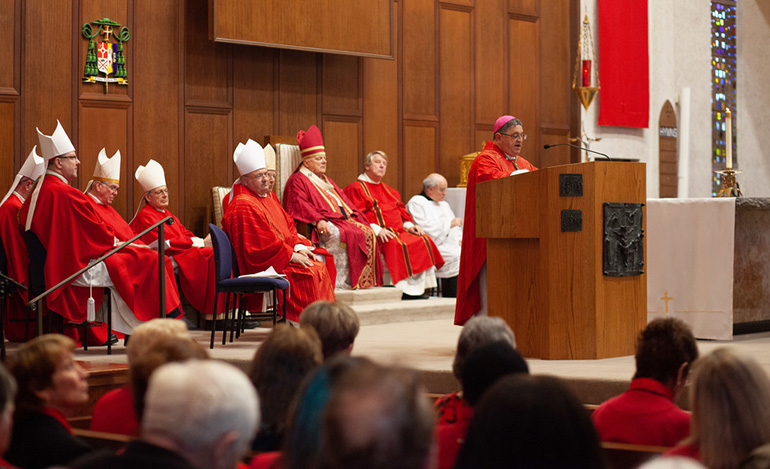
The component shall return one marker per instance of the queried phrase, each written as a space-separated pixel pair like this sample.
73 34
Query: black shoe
424 296
247 324
111 341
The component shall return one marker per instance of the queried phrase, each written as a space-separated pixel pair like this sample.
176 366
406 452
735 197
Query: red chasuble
490 164
406 254
197 274
18 268
112 218
263 237
307 203
73 234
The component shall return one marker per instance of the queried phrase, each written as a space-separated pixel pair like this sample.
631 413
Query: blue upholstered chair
228 282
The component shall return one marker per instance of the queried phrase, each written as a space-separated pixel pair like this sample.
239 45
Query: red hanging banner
624 63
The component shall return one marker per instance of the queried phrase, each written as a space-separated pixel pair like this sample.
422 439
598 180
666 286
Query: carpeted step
368 296
405 310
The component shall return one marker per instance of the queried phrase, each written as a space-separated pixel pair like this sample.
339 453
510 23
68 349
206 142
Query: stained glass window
723 84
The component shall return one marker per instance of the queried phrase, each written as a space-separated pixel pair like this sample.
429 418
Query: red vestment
112 218
197 274
643 415
73 234
15 248
406 254
490 164
263 237
307 203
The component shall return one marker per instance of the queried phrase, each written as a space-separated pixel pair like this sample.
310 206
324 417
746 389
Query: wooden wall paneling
526 7
419 60
337 26
105 125
297 91
343 138
47 75
156 94
462 3
491 65
556 66
525 92
553 156
253 91
8 167
11 152
92 10
381 108
341 85
420 143
206 163
456 72
208 65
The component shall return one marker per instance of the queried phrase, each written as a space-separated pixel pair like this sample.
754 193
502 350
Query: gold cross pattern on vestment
666 298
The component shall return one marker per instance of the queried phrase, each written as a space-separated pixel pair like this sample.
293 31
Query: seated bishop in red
410 255
498 159
101 191
194 256
73 234
313 197
263 235
15 248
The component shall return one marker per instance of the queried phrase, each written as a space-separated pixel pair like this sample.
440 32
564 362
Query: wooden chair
228 282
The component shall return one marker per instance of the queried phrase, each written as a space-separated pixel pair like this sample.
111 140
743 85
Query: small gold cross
666 298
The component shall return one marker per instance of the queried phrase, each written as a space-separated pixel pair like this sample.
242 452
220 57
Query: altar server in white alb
430 211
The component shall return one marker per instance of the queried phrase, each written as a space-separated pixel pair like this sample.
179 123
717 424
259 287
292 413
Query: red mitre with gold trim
311 144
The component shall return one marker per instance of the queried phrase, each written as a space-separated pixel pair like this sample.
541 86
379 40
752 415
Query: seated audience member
411 257
302 443
194 256
52 385
280 365
646 413
377 418
484 366
15 248
7 396
199 414
435 216
264 236
730 398
114 412
336 323
312 197
530 421
171 349
478 331
73 235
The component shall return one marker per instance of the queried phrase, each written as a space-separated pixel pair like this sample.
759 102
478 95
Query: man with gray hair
430 211
499 158
201 413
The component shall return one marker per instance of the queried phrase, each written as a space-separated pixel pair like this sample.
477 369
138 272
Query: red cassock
406 254
18 268
490 164
307 203
197 274
73 234
265 236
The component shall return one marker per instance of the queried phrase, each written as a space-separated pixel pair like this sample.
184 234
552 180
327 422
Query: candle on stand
729 139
